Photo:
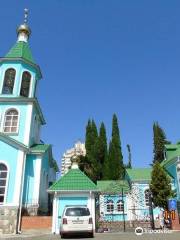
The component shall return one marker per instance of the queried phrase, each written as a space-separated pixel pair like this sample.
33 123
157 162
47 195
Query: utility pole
151 210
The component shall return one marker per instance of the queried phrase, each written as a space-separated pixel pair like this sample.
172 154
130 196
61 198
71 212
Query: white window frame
4 121
120 204
110 206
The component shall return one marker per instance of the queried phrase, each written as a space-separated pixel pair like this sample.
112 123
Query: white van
75 220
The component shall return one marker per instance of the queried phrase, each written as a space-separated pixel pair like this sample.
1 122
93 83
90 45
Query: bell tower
21 115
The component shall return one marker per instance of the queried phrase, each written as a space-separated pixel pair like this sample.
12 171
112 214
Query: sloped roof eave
74 179
6 59
63 191
13 142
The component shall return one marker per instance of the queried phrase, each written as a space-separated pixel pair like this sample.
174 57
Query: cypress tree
94 132
101 150
115 153
160 186
91 144
159 138
129 165
88 139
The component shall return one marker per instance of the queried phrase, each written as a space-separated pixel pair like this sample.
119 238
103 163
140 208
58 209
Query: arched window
146 196
110 206
120 206
11 121
9 81
25 84
3 182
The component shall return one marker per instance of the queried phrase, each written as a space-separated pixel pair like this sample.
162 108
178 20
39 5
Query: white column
28 124
54 214
57 214
37 179
18 178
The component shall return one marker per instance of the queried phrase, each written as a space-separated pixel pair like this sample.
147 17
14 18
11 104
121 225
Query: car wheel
91 235
63 235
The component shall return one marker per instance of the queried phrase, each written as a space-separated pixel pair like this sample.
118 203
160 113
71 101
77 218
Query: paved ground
99 236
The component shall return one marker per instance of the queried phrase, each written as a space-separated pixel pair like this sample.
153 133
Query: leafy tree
160 140
160 186
129 165
115 153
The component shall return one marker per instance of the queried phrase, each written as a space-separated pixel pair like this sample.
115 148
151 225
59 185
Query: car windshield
77 212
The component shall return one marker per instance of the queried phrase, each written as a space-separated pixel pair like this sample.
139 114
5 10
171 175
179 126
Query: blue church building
27 167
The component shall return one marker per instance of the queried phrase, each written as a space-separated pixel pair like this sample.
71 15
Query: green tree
160 186
159 139
115 153
88 138
101 150
91 144
129 165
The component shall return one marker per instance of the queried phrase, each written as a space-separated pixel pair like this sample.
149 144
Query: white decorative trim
37 179
3 121
28 124
18 178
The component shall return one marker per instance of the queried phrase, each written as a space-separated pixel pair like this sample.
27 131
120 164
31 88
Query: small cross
25 15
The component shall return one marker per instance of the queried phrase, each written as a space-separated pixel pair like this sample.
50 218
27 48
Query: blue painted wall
9 155
22 109
20 68
29 179
115 216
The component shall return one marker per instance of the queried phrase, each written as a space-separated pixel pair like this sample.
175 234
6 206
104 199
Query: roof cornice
8 59
25 100
71 191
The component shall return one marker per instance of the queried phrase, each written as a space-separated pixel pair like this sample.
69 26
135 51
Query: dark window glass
2 183
146 193
3 167
1 198
25 84
77 212
3 178
2 191
9 81
3 174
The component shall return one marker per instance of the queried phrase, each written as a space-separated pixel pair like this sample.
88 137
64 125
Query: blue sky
99 57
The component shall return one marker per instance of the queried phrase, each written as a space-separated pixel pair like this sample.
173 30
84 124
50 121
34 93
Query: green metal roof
139 174
172 152
113 186
39 148
73 180
21 50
